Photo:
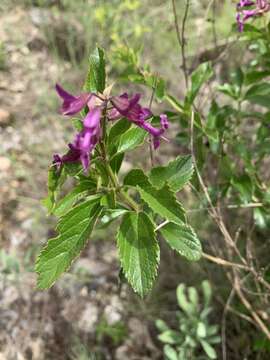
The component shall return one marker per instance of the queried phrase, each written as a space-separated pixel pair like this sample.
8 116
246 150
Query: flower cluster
247 9
111 108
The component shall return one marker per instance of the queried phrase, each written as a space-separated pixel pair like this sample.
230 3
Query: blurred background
88 314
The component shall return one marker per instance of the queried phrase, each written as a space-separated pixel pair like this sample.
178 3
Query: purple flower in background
247 9
86 140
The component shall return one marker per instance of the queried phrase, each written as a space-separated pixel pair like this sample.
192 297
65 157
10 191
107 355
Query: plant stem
115 181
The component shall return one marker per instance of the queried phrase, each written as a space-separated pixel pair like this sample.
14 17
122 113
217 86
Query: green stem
115 181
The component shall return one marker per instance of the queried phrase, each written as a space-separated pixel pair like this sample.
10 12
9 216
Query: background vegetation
89 314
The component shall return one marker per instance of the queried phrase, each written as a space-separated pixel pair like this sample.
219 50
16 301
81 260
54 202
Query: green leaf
55 179
110 215
74 230
169 337
207 292
170 353
96 77
259 94
174 103
255 75
182 238
119 128
209 350
156 83
161 201
201 330
198 78
182 300
77 193
138 251
131 139
77 124
164 203
177 173
116 162
161 325
109 199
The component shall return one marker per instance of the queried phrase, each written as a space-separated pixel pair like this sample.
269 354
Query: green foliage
131 139
55 180
74 230
161 201
177 173
138 251
182 238
198 78
117 332
96 77
195 333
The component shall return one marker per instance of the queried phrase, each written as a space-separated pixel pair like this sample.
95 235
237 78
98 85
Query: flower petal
92 119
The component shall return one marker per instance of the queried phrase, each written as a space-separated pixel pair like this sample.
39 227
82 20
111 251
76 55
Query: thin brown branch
223 262
181 37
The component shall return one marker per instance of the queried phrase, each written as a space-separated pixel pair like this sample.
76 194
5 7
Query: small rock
5 163
113 311
5 117
88 318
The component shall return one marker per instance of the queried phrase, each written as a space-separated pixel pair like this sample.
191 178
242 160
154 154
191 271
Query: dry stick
230 206
181 36
249 307
223 262
223 323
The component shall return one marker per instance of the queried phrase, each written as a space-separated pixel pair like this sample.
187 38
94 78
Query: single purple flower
85 141
133 111
72 104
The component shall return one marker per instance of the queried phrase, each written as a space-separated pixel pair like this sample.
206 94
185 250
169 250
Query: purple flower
86 140
247 9
71 104
133 111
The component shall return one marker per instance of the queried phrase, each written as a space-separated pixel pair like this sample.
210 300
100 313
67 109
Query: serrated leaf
177 173
111 215
78 192
138 251
183 239
96 76
74 230
161 201
131 139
